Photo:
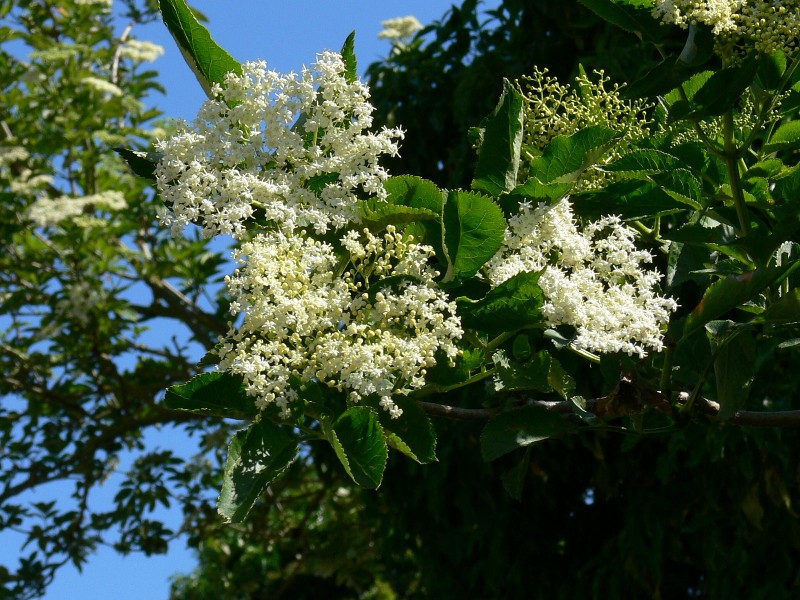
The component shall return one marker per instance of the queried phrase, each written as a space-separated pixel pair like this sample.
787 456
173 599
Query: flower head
303 322
400 29
553 109
592 280
295 148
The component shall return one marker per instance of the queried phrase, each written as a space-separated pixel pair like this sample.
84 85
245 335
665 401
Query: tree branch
458 414
753 418
709 408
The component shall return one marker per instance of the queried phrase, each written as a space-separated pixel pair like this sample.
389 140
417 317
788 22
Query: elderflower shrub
249 150
766 25
304 321
593 280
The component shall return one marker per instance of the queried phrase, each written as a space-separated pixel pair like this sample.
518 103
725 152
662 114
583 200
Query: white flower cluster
593 280
141 51
251 150
400 28
311 315
103 86
552 109
12 154
98 3
45 212
769 25
26 182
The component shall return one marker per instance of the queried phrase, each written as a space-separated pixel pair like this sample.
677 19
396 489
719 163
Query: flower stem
443 389
731 162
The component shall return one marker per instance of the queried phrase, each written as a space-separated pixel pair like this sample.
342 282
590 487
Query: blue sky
287 35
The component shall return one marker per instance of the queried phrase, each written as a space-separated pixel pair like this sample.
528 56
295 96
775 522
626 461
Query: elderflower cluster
97 3
304 321
46 212
766 25
400 29
592 280
103 86
141 51
553 109
294 150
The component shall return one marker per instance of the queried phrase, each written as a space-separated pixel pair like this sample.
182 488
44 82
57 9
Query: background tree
85 271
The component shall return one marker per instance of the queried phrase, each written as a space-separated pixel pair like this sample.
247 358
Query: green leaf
536 190
142 164
473 229
662 78
732 291
626 16
785 137
317 183
562 382
700 234
256 456
542 373
734 369
521 348
681 186
784 311
512 305
630 199
443 374
762 242
209 61
358 440
498 158
690 87
378 214
567 157
519 428
411 433
533 189
349 57
722 90
643 161
213 394
514 479
787 186
420 194
770 70
415 192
